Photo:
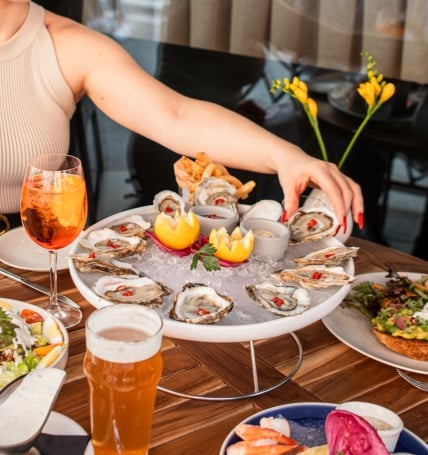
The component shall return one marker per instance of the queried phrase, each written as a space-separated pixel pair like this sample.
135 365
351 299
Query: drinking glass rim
126 308
73 162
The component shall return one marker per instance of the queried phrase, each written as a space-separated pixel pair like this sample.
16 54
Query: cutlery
414 382
37 287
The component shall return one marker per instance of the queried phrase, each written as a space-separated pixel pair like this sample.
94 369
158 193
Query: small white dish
18 250
214 217
387 423
270 237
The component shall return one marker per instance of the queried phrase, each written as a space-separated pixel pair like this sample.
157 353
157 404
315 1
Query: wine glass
53 212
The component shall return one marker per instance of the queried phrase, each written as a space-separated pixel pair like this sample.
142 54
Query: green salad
399 307
27 341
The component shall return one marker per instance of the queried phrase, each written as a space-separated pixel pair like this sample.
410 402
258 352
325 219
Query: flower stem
314 123
369 115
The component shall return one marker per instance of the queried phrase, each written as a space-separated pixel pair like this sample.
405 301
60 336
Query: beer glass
123 366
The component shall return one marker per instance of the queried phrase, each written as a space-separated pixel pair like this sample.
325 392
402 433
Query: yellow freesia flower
375 92
388 92
367 90
312 107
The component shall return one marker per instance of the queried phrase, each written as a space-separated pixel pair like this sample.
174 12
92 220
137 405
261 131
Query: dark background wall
72 9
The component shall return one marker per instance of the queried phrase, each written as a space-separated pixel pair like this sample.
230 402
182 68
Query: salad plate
247 321
18 250
307 427
18 305
354 329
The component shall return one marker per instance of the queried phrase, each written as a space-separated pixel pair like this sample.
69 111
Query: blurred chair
219 77
420 129
85 143
416 169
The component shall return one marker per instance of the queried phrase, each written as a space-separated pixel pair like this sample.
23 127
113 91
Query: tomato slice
31 316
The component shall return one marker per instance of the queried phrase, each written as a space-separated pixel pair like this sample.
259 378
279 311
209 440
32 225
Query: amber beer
123 366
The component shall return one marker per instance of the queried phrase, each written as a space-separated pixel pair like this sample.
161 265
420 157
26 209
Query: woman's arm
97 66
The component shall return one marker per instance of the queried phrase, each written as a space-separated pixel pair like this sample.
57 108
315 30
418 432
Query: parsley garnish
206 255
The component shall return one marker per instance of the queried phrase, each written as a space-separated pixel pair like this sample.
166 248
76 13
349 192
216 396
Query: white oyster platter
247 320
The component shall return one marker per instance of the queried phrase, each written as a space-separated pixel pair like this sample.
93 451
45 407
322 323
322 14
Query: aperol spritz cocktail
53 213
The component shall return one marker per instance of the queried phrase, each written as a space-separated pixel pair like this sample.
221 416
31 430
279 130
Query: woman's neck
12 16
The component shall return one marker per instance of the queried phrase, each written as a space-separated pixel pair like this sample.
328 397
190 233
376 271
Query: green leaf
206 255
210 263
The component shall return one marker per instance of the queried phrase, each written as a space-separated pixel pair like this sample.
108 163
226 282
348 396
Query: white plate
60 424
63 425
307 427
354 329
18 250
247 321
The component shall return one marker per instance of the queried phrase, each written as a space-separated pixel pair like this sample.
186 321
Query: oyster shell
315 276
265 209
280 300
104 264
332 255
131 225
142 290
200 304
312 224
169 202
216 191
111 243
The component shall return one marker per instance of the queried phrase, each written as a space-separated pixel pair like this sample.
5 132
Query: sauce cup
215 217
270 237
386 422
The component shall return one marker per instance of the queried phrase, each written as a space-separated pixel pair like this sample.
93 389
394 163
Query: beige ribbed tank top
36 104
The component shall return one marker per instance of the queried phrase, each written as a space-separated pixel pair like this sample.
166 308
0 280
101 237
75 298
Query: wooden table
330 372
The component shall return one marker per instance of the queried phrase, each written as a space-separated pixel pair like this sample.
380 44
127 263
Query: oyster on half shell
280 300
198 303
332 255
312 224
315 276
131 225
111 243
92 262
216 191
142 290
169 202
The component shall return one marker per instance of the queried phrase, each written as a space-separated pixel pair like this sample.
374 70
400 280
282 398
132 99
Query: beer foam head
124 333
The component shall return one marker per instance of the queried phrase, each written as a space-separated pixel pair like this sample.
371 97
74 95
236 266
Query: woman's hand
306 171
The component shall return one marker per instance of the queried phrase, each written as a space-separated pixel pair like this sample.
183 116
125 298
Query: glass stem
53 300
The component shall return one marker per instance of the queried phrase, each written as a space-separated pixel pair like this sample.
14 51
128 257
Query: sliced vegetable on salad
28 340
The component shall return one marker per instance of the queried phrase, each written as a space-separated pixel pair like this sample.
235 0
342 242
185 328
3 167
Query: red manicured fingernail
361 220
345 224
337 229
284 216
